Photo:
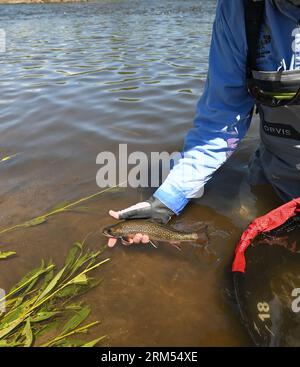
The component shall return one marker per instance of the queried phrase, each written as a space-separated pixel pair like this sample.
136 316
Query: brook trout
127 229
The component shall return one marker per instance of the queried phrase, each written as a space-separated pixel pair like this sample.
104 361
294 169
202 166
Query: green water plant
7 157
63 207
43 308
6 254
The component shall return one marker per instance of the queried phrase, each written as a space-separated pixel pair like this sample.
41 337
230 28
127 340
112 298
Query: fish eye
108 230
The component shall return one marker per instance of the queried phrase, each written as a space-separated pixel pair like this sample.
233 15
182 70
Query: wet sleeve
223 113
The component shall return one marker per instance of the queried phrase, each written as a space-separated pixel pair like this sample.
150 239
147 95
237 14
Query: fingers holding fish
136 239
112 242
139 238
145 239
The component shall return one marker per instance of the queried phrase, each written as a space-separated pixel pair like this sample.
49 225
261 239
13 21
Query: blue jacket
224 111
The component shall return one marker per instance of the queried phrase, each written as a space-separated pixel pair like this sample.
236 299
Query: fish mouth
107 233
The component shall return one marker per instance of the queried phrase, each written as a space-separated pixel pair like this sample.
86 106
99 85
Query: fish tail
202 237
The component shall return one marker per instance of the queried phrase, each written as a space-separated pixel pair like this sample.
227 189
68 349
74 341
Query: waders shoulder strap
254 14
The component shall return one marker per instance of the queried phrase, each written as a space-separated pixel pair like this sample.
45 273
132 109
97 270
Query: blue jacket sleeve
223 112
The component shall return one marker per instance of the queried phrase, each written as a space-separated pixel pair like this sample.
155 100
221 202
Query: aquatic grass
8 157
42 302
7 254
63 207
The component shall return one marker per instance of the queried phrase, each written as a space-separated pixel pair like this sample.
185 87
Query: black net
287 235
268 293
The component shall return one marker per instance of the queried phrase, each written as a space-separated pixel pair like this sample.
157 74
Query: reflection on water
78 79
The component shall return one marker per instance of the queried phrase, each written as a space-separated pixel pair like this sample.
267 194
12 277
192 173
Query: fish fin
153 244
203 238
176 244
293 247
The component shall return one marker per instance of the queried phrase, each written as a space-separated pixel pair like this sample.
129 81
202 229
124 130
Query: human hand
152 209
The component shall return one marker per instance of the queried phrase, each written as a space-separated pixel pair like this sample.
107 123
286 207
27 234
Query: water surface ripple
78 79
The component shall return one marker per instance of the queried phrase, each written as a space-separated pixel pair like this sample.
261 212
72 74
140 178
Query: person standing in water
254 60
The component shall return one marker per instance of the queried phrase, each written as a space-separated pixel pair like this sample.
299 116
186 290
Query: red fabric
266 223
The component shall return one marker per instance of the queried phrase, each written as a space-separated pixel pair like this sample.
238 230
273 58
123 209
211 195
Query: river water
79 79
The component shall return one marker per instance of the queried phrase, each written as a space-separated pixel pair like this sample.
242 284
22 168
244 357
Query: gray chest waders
277 96
277 160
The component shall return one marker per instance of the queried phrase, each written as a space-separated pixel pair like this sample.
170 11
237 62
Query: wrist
172 198
160 212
